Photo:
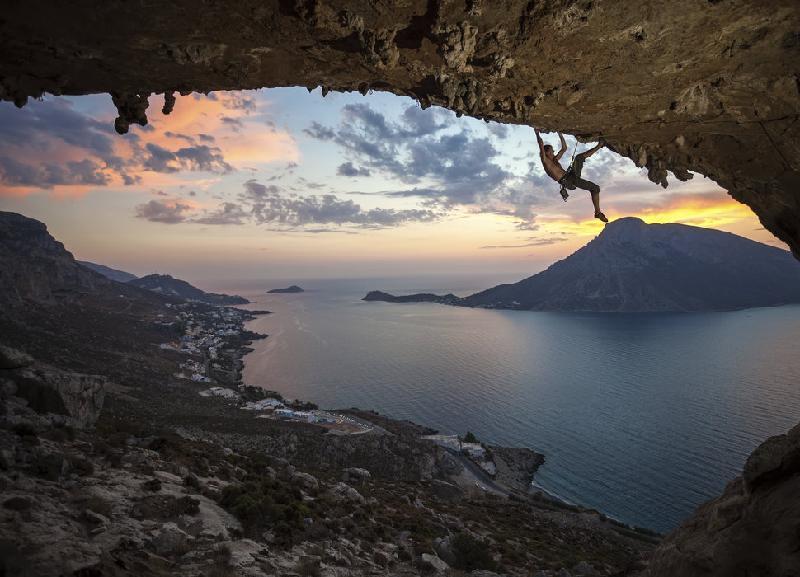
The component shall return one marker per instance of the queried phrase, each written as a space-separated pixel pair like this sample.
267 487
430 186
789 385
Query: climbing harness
563 191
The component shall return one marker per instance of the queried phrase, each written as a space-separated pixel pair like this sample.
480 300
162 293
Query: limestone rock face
48 273
77 395
76 398
685 85
751 529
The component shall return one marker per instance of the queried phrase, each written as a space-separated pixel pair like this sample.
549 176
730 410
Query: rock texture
66 397
752 529
687 85
48 273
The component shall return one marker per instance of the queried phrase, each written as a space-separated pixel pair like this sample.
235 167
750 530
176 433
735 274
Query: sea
640 416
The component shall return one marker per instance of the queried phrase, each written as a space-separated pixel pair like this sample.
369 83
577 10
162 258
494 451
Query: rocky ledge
647 77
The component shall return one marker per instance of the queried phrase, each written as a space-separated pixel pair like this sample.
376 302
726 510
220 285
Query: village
214 341
213 338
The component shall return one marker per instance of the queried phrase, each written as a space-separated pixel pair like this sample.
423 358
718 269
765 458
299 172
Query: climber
570 178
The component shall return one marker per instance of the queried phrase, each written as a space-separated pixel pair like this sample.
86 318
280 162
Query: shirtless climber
570 178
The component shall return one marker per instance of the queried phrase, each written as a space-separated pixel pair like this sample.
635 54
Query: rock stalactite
682 86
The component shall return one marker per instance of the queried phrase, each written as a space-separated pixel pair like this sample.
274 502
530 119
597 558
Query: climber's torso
553 168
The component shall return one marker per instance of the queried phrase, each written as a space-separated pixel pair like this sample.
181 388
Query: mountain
108 272
166 285
292 289
36 268
636 267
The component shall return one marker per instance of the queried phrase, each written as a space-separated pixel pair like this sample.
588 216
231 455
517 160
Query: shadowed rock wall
685 85
751 529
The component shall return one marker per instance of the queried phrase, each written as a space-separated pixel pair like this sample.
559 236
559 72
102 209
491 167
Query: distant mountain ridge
632 266
168 285
108 272
36 270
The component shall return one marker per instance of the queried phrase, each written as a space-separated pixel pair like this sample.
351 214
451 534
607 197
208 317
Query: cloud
272 206
328 209
48 175
191 158
347 169
497 129
54 145
234 123
227 213
533 241
444 162
163 211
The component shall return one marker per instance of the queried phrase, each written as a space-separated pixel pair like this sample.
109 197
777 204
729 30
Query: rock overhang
682 87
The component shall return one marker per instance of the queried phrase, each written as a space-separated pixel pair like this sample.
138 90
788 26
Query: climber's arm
540 143
563 146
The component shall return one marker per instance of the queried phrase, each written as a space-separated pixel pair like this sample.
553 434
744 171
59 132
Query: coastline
533 491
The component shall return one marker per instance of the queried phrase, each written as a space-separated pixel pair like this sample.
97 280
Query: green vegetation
263 504
471 554
470 438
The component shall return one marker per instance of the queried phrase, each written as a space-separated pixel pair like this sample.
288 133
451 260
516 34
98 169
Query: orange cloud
202 135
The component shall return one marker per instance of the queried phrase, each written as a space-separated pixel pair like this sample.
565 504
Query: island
448 299
632 266
292 289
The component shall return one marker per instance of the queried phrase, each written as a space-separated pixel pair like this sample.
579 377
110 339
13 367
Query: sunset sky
283 183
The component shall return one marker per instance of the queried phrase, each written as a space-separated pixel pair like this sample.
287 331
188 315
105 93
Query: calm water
640 416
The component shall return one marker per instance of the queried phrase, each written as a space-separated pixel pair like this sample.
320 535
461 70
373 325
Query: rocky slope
108 272
650 78
166 285
636 267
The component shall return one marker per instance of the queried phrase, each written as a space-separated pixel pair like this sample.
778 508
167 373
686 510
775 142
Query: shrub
267 504
470 438
471 554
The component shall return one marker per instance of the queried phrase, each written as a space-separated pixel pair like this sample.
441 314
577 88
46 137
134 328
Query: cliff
682 86
750 529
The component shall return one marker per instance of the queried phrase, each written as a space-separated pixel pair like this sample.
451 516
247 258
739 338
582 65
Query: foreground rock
647 77
67 397
751 529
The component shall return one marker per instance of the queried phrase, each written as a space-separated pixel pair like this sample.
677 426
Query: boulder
345 493
432 562
306 481
75 395
17 504
444 550
355 475
446 491
170 540
13 358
